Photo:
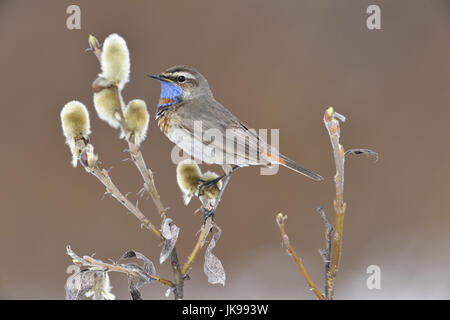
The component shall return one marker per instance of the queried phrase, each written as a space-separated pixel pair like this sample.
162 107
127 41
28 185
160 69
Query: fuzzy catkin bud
210 193
75 120
101 289
76 127
188 178
106 102
136 118
115 60
88 158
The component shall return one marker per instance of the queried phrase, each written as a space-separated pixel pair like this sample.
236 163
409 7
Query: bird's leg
206 184
211 212
208 213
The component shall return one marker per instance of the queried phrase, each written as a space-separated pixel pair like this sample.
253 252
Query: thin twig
119 268
103 176
178 275
95 47
326 253
136 155
281 223
332 124
206 228
149 185
204 231
147 175
219 196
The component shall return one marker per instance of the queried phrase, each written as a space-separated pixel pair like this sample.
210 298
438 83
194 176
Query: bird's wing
250 148
215 119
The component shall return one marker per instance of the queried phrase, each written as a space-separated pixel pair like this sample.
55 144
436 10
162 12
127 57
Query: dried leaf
323 215
213 267
165 228
134 291
87 283
78 284
145 273
86 280
329 230
126 255
170 232
169 291
149 267
362 151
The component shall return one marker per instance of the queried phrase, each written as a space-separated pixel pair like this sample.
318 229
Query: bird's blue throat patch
169 94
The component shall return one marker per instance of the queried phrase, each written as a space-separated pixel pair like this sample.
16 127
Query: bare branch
281 219
204 231
94 46
103 176
333 128
90 261
326 253
147 176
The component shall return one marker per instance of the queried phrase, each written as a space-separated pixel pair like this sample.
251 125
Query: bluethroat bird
186 98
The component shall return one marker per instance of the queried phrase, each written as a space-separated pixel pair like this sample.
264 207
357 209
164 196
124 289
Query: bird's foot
206 184
208 213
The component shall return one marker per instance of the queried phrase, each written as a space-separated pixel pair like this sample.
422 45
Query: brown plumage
196 103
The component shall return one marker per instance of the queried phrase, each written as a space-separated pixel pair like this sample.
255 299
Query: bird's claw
208 213
206 184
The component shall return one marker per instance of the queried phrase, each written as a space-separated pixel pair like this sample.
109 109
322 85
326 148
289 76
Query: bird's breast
164 122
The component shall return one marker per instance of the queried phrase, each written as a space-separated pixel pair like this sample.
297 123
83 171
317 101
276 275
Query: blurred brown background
275 64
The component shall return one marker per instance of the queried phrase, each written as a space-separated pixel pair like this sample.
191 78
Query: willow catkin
76 126
136 119
188 178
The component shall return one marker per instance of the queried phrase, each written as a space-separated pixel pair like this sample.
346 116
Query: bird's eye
181 79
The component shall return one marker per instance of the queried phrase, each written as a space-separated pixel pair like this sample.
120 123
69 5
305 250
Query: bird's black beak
156 76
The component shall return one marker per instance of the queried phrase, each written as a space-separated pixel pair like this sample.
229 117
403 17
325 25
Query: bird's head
180 83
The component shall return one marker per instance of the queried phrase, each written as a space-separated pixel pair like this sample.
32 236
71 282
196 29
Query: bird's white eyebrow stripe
187 75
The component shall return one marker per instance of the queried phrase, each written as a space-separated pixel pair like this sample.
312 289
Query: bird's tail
285 161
